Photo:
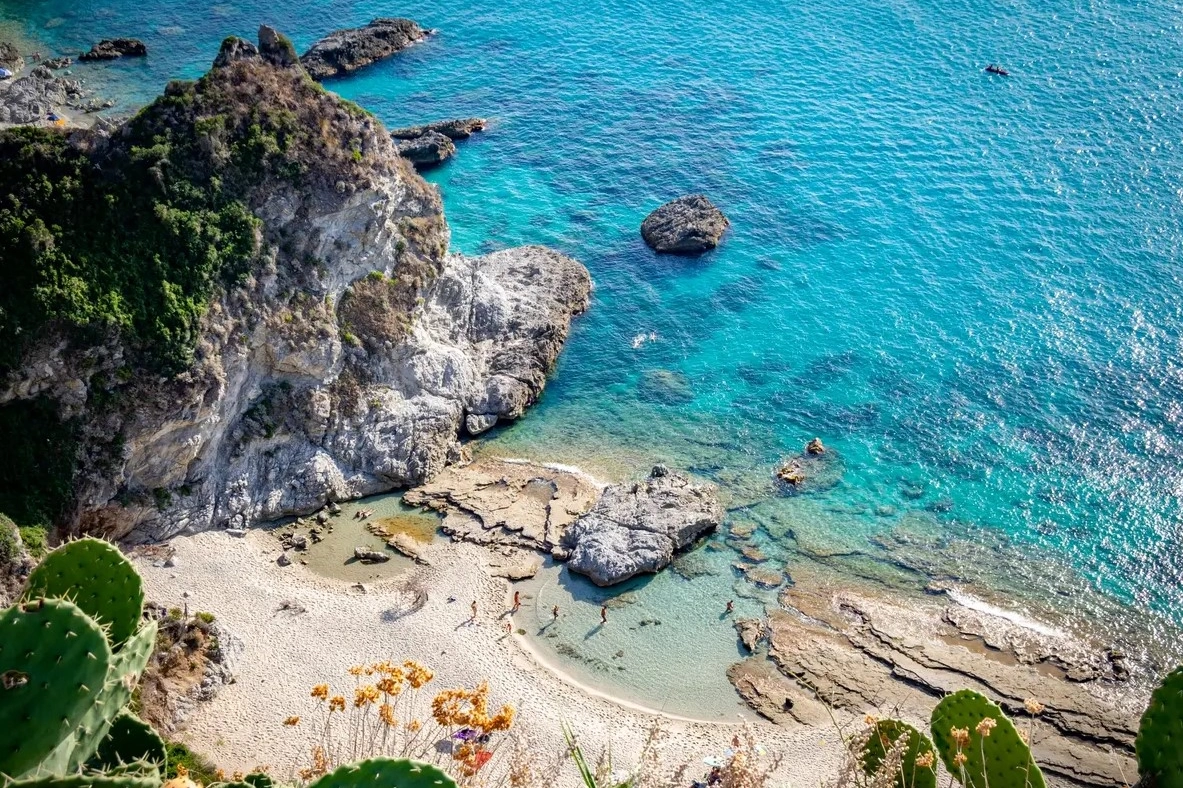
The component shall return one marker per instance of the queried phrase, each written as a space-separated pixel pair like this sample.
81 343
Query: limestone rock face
345 51
113 48
10 57
637 528
687 225
34 96
347 362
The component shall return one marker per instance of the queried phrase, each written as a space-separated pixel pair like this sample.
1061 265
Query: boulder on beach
455 129
35 96
113 48
344 51
687 225
636 528
429 150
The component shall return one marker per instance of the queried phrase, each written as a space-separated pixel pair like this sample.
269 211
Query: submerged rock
113 48
345 51
686 225
426 151
367 556
458 129
636 528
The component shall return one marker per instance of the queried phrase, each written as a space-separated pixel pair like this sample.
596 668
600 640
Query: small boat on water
994 68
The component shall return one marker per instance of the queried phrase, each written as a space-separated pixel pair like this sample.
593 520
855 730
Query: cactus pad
1001 760
385 773
124 674
145 780
1160 736
94 575
883 736
129 740
259 780
54 660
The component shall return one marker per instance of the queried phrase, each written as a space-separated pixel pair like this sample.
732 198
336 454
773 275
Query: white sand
237 580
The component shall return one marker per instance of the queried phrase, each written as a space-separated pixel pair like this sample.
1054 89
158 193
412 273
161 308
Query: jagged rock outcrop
426 151
33 97
686 225
349 360
345 51
114 48
637 528
458 129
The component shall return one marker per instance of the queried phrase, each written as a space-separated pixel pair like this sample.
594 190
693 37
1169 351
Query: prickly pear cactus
385 773
1160 736
144 780
54 661
94 575
259 780
122 678
129 740
912 775
995 754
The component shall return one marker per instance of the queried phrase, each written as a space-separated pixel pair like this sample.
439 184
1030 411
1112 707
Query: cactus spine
1160 736
129 740
981 753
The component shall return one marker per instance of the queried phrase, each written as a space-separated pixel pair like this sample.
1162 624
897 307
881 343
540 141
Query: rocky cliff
340 351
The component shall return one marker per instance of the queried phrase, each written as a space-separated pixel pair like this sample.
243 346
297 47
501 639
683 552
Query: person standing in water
554 611
731 606
517 600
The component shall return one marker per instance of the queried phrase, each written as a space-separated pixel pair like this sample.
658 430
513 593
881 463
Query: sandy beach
284 654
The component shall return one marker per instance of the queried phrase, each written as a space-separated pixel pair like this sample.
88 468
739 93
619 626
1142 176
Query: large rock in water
686 225
636 528
113 48
456 129
345 51
345 362
426 151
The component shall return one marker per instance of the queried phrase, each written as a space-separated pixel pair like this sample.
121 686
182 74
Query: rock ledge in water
113 48
344 51
687 225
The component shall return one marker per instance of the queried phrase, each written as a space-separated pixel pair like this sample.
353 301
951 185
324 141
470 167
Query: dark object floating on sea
994 68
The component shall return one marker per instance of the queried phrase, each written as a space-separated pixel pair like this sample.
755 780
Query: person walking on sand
731 606
554 611
603 614
517 600
473 611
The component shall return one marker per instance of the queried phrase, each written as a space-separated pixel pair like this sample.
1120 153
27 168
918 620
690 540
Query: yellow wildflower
386 714
985 726
1023 736
320 691
959 759
219 775
292 721
356 670
870 719
182 770
417 675
414 725
336 703
1033 706
364 696
392 685
926 760
960 736
238 777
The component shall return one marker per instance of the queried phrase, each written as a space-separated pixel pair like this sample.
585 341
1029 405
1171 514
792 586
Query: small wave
574 470
1018 619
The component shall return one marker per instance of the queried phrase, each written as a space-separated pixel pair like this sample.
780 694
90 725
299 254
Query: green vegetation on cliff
124 241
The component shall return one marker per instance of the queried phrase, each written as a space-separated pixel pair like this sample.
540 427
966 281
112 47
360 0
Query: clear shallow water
967 286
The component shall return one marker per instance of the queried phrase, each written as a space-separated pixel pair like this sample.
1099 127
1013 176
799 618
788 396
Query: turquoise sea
967 286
